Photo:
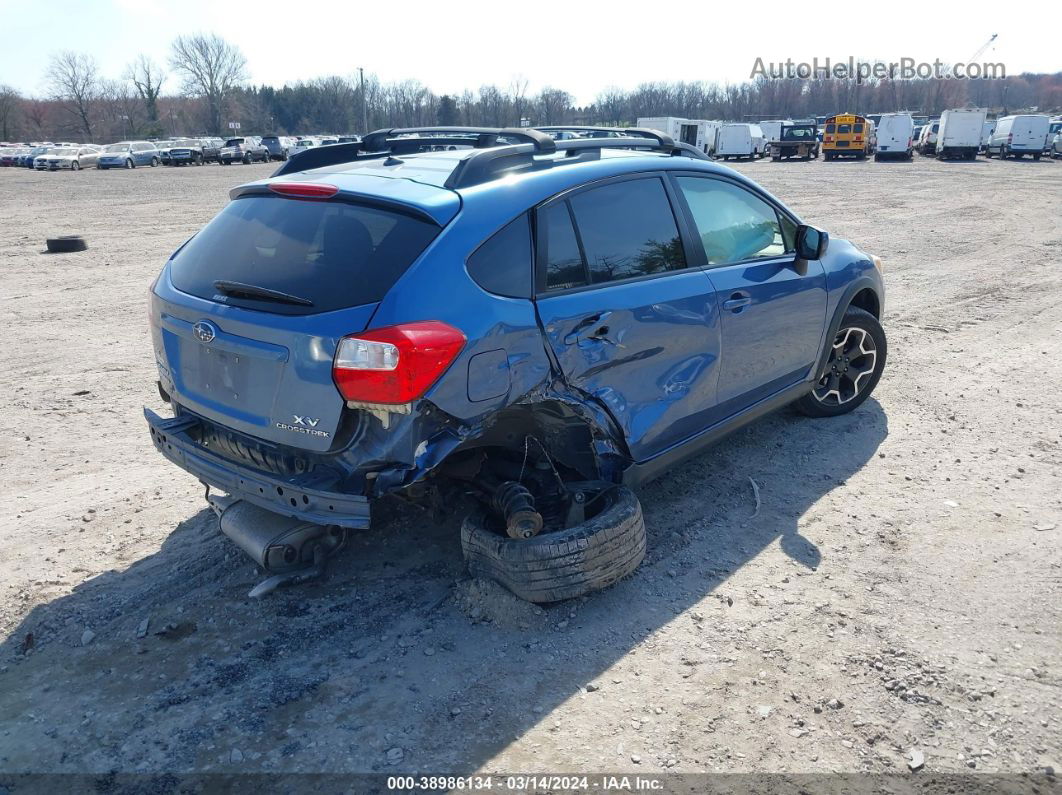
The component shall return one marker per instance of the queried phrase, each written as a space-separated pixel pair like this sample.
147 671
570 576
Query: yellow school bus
848 135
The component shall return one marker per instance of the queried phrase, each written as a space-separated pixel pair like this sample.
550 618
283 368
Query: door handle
737 301
591 327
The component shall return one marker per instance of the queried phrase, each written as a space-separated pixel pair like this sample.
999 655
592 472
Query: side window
627 229
733 224
564 261
503 264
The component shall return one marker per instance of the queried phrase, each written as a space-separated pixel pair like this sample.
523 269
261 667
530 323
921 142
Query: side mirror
811 243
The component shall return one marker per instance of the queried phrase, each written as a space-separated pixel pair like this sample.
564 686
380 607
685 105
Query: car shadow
398 661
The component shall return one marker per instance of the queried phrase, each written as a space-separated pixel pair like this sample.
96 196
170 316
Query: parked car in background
349 139
9 156
959 135
26 158
895 136
244 150
740 140
328 141
128 154
927 139
307 142
68 158
164 149
1056 145
403 336
1019 135
280 146
212 149
186 152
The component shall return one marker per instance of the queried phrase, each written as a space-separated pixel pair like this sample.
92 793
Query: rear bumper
285 497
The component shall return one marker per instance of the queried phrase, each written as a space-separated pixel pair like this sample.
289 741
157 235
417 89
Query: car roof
418 181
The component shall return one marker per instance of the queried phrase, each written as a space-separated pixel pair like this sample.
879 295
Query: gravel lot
899 590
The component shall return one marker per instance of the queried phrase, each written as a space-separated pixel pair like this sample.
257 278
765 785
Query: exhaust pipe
291 549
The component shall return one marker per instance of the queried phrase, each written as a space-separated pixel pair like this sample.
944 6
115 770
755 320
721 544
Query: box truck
959 135
695 132
1017 136
895 136
739 140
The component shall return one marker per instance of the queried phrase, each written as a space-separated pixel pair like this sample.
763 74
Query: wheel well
867 300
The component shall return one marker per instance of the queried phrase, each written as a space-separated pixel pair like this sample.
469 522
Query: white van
927 140
695 132
740 140
1017 136
895 136
772 131
960 134
987 129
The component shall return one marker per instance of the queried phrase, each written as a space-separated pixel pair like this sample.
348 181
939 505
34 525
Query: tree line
204 86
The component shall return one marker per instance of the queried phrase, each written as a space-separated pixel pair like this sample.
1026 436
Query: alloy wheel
852 361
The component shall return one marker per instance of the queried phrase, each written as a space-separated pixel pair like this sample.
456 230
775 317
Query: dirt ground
899 591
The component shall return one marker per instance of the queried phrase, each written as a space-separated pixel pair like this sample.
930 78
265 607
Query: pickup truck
796 140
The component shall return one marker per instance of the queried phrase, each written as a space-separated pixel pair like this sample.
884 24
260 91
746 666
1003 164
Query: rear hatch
248 313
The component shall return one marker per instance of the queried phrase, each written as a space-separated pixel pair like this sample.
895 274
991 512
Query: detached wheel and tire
65 244
562 564
856 359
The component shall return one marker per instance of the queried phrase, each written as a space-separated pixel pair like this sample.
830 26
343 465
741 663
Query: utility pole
364 103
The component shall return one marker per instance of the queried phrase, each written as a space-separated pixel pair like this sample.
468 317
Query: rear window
332 254
234 142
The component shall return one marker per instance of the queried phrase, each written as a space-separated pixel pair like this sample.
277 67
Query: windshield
117 148
335 254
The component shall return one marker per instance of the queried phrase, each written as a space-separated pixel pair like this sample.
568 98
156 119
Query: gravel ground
898 591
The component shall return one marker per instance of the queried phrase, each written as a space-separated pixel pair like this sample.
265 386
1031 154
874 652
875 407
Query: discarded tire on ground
554 566
66 243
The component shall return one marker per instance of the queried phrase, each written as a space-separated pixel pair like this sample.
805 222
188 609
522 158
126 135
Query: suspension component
516 504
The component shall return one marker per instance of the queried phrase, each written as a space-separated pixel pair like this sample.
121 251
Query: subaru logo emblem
204 331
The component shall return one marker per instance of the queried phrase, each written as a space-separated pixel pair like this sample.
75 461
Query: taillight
828 139
859 137
396 364
304 190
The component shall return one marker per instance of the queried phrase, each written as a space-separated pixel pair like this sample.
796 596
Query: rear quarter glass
333 254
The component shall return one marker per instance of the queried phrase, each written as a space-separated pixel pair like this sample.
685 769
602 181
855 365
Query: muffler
292 549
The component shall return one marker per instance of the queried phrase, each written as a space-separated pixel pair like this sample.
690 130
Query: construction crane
982 48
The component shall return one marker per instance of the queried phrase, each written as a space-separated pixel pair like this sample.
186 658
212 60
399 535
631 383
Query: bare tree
10 103
75 80
147 78
553 104
211 68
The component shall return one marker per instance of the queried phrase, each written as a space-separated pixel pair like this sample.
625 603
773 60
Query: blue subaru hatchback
542 324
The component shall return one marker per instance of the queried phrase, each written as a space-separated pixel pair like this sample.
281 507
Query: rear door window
627 229
332 254
565 267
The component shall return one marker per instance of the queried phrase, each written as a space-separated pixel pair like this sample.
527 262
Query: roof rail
480 137
639 132
408 140
494 163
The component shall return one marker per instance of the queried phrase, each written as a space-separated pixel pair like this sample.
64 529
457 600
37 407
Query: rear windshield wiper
238 289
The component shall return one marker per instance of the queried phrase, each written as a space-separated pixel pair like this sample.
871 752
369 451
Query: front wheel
154 162
129 163
853 368
75 166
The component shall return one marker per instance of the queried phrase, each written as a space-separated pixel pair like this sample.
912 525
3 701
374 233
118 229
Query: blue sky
581 47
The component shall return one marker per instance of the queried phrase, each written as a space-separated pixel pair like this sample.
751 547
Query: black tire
154 162
64 244
814 404
75 165
129 163
247 159
1036 157
554 566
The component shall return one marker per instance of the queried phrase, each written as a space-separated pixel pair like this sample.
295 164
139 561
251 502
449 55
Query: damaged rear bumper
288 497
